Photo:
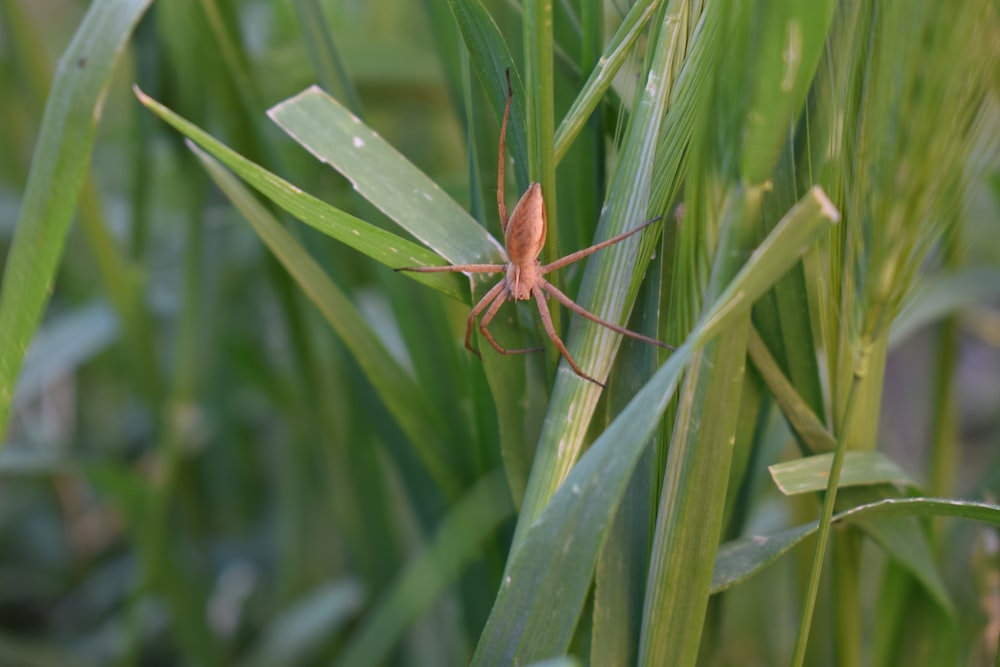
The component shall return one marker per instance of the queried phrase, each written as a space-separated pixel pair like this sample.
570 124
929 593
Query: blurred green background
197 471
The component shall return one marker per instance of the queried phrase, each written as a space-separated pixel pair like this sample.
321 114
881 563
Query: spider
524 237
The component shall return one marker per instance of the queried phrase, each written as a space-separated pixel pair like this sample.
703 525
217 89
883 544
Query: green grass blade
784 318
490 59
618 49
558 551
800 416
384 177
382 246
792 37
57 172
456 541
539 75
689 518
741 559
860 467
394 386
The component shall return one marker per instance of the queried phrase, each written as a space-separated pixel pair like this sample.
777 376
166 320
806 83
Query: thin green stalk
233 58
602 72
540 81
180 415
846 596
943 443
823 534
944 454
326 61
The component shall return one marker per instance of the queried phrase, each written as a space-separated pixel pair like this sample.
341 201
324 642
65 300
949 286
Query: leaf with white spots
328 130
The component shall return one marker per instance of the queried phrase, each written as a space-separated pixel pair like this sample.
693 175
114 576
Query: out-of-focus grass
241 443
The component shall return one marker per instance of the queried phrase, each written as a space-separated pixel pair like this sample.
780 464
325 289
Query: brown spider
524 237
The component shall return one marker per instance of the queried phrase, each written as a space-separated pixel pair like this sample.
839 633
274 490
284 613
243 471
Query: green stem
823 534
540 91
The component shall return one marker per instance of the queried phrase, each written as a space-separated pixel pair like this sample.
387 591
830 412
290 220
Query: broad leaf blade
381 175
860 467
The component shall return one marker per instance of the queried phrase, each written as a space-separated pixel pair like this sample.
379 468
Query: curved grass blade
739 560
57 172
374 242
394 386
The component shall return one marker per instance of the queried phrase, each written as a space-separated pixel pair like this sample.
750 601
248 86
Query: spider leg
501 203
543 310
495 294
488 317
460 268
583 312
580 254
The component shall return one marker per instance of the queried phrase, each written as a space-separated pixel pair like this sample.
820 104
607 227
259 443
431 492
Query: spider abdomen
525 233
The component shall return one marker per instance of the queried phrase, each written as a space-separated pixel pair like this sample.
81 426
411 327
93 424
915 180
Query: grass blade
739 560
618 49
376 243
381 175
57 172
490 60
860 468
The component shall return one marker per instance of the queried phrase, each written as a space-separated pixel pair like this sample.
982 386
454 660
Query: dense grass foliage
232 434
